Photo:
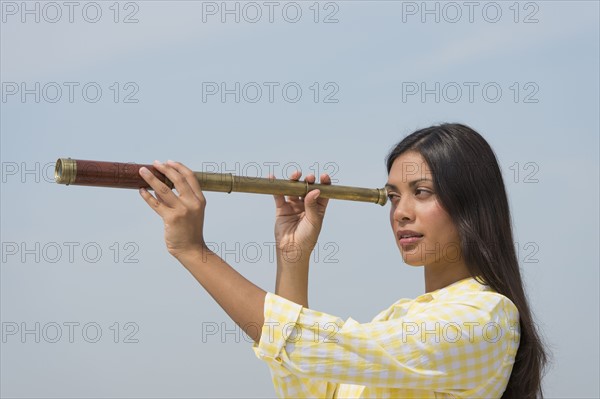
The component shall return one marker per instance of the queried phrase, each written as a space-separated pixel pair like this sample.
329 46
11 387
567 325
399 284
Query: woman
471 334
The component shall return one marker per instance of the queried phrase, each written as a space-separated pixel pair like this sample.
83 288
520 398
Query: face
415 207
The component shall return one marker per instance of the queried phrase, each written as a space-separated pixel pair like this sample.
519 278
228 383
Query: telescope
126 175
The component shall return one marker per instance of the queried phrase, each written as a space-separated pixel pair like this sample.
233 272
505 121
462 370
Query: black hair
469 185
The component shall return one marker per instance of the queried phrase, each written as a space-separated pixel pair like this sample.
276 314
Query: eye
420 190
393 197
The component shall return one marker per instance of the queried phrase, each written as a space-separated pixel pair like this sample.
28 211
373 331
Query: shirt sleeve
276 331
452 347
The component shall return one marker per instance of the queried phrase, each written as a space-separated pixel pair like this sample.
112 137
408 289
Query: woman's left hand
182 214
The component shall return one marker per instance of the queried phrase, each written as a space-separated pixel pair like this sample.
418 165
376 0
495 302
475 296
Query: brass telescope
126 175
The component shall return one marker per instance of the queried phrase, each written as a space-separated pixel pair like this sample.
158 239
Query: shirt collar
460 286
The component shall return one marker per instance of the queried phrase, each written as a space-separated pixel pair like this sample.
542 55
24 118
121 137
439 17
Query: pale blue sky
367 58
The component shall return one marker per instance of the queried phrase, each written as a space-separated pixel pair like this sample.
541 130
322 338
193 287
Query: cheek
436 221
444 228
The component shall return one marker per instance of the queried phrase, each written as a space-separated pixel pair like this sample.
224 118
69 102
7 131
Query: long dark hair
469 185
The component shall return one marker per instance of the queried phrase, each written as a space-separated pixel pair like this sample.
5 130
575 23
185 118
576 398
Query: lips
406 237
407 234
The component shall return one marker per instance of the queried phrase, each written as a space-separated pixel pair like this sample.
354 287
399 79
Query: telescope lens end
65 171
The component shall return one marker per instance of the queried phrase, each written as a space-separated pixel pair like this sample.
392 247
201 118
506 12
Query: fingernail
144 170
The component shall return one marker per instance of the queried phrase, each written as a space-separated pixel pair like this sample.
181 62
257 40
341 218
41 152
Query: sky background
92 305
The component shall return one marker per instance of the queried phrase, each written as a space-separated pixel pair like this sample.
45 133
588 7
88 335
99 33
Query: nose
403 209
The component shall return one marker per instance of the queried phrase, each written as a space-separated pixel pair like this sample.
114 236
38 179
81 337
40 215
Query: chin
411 261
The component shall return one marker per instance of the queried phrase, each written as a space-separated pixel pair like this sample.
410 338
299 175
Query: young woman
470 335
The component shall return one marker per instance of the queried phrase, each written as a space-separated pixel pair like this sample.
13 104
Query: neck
440 276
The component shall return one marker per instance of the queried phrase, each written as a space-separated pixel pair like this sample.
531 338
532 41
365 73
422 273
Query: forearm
292 277
241 299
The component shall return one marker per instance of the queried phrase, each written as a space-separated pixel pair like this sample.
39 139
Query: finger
190 177
161 189
179 182
150 200
310 178
313 207
314 197
325 179
296 175
279 199
316 204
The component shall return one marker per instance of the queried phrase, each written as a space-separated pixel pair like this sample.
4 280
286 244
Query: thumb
311 206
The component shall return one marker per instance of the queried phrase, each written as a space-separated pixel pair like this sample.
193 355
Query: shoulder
480 306
487 300
498 305
471 293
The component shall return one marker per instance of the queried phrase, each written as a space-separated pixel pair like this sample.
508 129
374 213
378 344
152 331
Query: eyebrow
411 184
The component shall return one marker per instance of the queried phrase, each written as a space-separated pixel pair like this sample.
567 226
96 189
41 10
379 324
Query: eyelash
391 196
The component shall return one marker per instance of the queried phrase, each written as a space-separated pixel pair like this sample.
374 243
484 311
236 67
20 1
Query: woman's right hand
298 221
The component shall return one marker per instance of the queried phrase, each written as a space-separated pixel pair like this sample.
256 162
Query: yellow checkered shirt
456 342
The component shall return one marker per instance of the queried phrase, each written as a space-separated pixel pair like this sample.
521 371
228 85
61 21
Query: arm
443 346
183 216
240 299
291 281
297 227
